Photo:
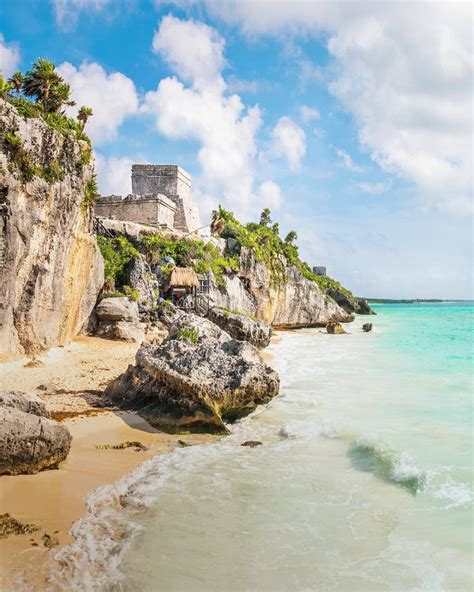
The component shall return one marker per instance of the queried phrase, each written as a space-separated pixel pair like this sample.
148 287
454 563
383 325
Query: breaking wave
103 535
387 464
455 495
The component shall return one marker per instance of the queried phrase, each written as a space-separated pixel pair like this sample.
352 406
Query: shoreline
70 381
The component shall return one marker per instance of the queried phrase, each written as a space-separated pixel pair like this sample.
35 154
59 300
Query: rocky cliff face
294 302
51 267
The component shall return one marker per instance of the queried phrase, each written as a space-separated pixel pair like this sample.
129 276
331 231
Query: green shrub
116 252
114 294
90 193
188 333
53 172
131 293
25 108
271 249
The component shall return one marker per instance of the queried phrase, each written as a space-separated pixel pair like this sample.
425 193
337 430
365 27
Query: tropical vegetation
42 92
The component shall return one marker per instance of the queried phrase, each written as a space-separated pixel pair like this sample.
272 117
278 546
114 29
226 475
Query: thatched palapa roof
182 276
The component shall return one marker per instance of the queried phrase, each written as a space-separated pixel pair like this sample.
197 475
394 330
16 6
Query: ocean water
364 481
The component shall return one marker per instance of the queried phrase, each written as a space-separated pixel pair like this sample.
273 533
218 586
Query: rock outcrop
29 441
197 379
26 402
367 327
293 302
335 328
242 326
51 267
138 276
350 303
118 319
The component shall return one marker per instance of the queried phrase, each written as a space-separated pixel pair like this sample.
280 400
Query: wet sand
71 380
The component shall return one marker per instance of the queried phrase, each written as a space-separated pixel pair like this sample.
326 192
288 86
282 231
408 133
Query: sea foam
379 459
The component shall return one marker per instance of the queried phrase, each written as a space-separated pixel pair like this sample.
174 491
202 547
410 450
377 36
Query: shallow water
363 481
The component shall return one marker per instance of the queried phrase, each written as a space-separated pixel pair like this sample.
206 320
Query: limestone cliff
294 301
51 267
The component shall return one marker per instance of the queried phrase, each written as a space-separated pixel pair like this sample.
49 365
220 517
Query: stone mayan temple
161 196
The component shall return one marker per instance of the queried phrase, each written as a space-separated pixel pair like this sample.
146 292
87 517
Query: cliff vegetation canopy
262 238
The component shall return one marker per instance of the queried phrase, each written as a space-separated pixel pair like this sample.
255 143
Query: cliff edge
50 264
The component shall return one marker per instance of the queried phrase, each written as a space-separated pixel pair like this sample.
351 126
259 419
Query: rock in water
367 327
242 326
335 328
197 379
30 443
252 443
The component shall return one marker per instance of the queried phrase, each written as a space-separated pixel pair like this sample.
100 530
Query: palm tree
59 96
265 219
218 221
83 115
40 82
16 80
5 87
291 237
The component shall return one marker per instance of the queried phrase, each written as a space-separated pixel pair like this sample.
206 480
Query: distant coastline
412 301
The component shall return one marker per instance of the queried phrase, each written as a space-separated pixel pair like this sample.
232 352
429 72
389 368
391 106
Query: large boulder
138 275
117 309
242 326
27 402
197 379
122 331
29 441
118 319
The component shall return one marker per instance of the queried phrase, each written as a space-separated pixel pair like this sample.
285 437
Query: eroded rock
26 402
335 328
138 275
197 379
242 326
367 327
117 309
30 443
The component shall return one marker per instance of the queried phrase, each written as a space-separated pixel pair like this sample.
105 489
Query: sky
352 121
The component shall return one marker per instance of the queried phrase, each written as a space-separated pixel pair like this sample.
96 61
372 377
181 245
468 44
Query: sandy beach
70 381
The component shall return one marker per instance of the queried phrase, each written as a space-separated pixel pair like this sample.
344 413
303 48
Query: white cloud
403 70
347 161
112 98
309 72
308 114
270 195
193 50
9 57
204 112
114 174
288 140
66 12
373 188
236 85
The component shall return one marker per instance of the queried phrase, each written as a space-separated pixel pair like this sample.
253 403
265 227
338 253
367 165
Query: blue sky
351 121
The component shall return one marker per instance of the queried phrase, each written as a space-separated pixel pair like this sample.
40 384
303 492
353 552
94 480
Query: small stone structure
161 196
319 270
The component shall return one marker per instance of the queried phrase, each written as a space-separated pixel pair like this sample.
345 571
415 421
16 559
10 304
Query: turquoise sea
364 481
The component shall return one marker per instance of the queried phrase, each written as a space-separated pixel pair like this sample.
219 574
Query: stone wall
144 209
175 183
